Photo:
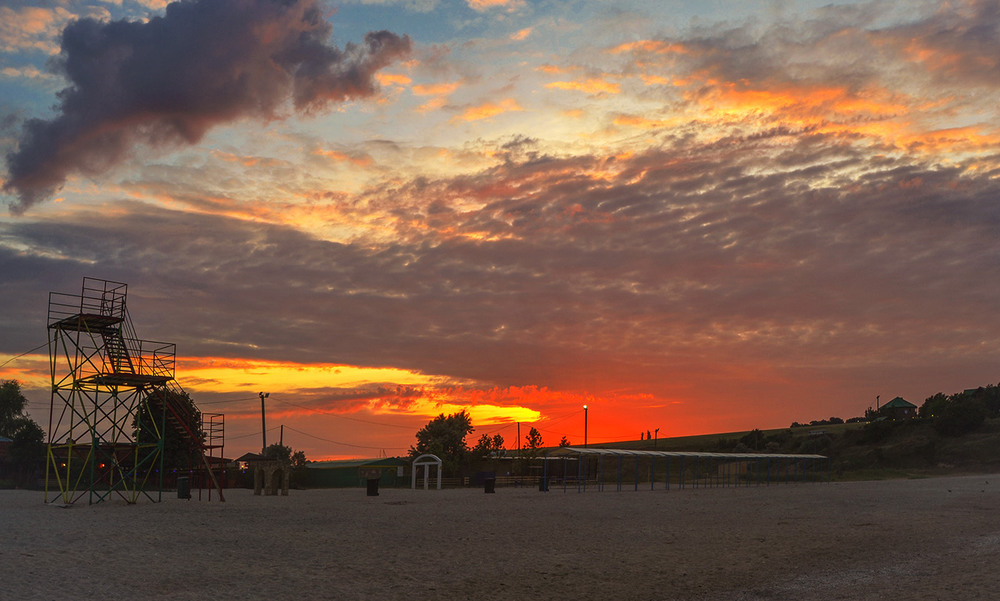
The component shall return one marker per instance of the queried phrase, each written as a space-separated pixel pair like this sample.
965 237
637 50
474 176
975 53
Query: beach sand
935 538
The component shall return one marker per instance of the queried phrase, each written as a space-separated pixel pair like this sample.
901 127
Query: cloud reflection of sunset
223 374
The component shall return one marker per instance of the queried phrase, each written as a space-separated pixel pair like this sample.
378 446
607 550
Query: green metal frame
102 378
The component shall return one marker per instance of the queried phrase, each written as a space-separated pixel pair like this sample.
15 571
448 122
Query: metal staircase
105 381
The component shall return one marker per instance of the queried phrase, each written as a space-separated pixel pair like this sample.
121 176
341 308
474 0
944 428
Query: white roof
638 453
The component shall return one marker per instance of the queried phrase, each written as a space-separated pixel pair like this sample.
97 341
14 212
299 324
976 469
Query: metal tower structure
105 381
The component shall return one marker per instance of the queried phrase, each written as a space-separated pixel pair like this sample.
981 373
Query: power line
250 434
346 444
46 343
200 403
353 419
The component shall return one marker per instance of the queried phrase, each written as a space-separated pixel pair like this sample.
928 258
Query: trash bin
490 485
372 487
543 484
183 487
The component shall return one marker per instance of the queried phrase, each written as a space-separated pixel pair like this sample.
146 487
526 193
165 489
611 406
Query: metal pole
545 475
579 471
585 426
619 473
600 479
263 427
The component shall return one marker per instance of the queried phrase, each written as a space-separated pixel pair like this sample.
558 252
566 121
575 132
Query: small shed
347 473
899 408
269 477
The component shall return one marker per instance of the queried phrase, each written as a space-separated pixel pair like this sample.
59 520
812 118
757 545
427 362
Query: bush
876 431
815 445
961 415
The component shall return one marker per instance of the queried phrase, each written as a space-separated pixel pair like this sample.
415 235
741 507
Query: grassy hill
858 451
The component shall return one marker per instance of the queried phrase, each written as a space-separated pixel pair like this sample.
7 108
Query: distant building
392 472
898 408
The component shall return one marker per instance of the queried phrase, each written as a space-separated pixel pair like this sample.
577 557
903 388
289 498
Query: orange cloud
521 35
872 112
247 161
552 69
217 374
378 390
591 85
32 28
488 110
639 122
484 5
396 79
28 72
438 89
955 139
940 59
655 80
650 46
340 157
31 370
440 92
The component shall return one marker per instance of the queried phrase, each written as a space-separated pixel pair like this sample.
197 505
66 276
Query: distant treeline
952 415
829 422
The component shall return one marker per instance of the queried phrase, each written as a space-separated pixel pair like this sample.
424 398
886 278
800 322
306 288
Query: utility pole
263 427
281 440
585 426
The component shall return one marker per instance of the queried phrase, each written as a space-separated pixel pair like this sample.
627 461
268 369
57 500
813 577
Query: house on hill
898 408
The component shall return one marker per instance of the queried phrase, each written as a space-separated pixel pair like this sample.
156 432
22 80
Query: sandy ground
935 538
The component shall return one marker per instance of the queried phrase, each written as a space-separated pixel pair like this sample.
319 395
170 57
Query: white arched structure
426 460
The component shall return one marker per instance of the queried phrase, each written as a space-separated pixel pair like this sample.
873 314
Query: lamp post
263 428
585 426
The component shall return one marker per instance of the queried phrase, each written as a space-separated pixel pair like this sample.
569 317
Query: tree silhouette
180 450
444 436
27 448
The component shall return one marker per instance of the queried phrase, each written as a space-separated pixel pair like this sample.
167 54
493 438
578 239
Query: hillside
886 449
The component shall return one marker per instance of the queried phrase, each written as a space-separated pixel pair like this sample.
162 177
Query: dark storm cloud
169 80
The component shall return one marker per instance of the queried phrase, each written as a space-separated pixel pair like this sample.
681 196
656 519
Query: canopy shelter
597 467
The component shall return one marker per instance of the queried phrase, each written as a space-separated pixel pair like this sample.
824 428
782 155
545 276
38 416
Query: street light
585 426
263 428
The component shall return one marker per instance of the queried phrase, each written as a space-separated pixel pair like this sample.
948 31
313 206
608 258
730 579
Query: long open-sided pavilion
581 467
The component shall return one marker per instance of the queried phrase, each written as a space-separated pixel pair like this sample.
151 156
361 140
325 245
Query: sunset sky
693 216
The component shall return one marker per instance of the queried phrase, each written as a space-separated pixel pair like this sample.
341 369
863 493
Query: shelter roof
349 463
696 454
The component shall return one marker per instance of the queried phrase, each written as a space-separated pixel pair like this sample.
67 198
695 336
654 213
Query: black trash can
372 487
183 487
490 485
543 484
